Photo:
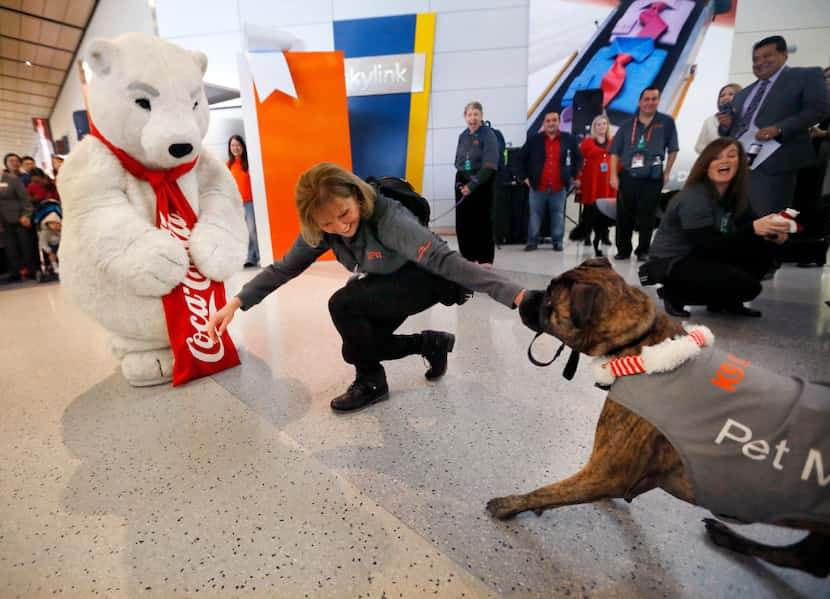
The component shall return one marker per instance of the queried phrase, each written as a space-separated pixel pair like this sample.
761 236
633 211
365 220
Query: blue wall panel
379 125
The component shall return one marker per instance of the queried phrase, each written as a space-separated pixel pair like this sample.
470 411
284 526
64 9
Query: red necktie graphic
653 25
613 80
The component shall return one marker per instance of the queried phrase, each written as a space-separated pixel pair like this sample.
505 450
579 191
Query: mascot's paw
147 368
159 264
215 252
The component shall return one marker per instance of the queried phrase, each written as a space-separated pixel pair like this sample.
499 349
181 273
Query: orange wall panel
296 133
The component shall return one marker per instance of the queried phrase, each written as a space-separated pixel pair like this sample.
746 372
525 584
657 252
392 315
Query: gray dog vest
755 444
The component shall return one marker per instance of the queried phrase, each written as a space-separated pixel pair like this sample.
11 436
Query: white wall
480 54
803 23
111 18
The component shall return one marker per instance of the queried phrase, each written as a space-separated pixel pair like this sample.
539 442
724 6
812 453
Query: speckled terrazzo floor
245 484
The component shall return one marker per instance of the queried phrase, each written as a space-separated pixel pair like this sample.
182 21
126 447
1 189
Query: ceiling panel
45 33
10 24
56 10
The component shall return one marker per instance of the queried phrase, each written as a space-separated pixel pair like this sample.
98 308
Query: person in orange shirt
238 163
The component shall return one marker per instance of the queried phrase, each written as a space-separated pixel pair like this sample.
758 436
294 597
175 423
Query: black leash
570 366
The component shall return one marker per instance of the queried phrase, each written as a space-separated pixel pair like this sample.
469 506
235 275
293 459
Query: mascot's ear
101 56
201 60
582 303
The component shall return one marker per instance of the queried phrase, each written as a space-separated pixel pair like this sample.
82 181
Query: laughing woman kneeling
406 269
709 249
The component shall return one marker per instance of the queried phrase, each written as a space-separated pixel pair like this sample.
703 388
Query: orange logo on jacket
729 375
374 255
423 249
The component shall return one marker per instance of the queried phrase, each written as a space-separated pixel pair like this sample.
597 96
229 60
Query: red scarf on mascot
189 305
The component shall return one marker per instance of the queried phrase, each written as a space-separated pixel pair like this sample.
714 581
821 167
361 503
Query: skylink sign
389 74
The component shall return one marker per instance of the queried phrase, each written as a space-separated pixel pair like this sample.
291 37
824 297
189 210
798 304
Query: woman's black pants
474 222
725 280
368 310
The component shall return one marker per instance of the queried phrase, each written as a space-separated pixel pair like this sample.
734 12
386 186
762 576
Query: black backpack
502 144
400 190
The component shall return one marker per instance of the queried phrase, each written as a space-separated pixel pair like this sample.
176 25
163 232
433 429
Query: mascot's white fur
146 97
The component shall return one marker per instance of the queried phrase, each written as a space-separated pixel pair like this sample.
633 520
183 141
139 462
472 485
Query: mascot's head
146 97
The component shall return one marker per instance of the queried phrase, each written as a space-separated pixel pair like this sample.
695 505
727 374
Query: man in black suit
783 104
548 163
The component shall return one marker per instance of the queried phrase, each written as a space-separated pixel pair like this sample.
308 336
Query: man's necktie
653 25
614 79
749 113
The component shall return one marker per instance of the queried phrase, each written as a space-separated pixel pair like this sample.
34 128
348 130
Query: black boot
361 393
435 347
671 305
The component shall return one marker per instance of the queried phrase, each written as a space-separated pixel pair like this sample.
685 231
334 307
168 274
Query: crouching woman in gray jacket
404 269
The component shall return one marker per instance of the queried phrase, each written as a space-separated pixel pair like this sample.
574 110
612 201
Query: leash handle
536 362
570 367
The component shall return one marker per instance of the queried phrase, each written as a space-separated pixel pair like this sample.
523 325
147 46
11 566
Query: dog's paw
720 534
503 507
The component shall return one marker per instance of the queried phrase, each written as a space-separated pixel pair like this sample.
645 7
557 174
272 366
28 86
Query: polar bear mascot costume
121 259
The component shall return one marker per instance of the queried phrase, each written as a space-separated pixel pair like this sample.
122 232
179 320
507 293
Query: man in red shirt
548 163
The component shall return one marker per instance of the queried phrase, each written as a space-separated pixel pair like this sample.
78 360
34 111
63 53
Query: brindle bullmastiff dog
592 310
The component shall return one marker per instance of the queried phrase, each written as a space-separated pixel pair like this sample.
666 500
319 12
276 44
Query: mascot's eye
144 103
195 104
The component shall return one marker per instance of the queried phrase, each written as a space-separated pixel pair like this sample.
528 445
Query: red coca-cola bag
189 305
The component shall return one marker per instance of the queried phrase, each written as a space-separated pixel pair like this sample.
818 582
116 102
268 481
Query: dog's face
590 308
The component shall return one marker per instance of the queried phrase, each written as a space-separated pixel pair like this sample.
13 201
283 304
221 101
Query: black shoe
741 310
670 307
619 256
530 248
674 310
642 257
606 241
557 247
435 346
587 241
361 393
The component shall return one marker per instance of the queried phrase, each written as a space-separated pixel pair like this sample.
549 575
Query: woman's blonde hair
322 183
598 118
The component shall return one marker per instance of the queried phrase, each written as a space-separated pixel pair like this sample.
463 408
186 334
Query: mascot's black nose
179 150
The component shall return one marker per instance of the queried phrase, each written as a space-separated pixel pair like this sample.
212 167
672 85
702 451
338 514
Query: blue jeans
253 244
553 202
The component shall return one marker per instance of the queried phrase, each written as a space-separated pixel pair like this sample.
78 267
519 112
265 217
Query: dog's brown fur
594 311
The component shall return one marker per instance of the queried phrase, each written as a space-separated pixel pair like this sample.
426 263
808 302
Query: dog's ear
582 303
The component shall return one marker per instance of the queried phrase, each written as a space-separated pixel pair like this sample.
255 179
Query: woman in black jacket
709 250
401 269
476 163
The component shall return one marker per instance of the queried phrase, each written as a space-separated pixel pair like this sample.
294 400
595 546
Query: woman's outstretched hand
519 297
219 320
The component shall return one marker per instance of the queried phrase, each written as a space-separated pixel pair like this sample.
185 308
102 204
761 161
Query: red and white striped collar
663 357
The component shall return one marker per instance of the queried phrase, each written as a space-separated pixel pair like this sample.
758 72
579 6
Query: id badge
638 161
603 167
